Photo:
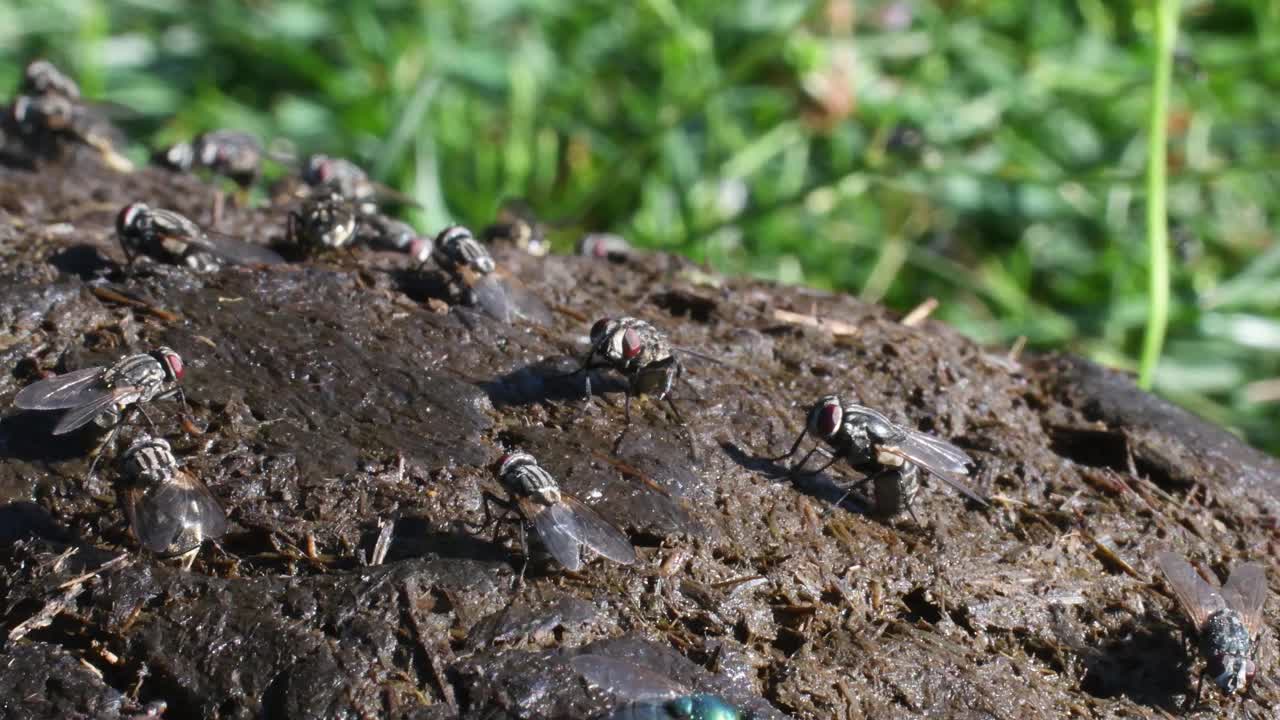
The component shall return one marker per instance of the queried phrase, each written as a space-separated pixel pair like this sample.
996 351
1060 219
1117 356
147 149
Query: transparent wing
64 391
383 192
940 458
626 680
84 414
1198 598
597 533
236 250
528 306
1246 592
491 296
175 514
555 526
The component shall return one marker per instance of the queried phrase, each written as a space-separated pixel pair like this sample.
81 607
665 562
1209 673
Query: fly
890 454
42 77
643 694
517 225
52 116
327 220
232 154
605 246
473 271
103 394
641 354
349 179
172 237
1227 620
170 511
560 520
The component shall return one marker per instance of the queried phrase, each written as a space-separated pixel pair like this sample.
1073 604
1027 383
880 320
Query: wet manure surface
343 398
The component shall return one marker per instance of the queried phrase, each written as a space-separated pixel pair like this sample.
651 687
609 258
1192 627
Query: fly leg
102 446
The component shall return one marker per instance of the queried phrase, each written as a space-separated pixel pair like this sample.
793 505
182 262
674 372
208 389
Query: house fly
642 354
606 246
103 394
349 179
1227 620
327 220
890 454
643 694
231 153
170 511
560 520
472 269
172 237
42 77
47 118
517 225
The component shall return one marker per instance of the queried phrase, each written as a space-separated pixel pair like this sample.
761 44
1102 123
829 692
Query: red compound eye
829 419
127 215
175 365
631 345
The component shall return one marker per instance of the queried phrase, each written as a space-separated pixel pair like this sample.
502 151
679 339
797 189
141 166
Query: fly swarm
170 511
1226 620
890 455
560 520
171 237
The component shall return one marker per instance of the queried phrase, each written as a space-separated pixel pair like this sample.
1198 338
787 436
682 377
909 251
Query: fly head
133 221
826 418
171 362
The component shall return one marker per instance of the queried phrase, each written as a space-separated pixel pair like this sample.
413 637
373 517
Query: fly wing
625 680
388 194
64 391
598 534
83 414
1246 592
182 509
1198 598
527 306
556 528
490 295
940 458
236 250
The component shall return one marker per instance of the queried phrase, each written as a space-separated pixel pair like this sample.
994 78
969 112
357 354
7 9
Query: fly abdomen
896 489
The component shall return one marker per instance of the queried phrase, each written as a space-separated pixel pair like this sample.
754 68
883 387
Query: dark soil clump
334 395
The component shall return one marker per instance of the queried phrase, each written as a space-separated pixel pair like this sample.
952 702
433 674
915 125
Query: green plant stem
1166 28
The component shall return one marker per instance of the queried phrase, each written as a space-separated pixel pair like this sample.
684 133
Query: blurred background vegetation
989 153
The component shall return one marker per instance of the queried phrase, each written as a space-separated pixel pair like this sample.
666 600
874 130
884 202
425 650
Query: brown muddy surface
335 394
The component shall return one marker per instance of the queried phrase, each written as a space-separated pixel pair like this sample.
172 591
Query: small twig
383 543
920 313
838 328
101 568
109 295
437 671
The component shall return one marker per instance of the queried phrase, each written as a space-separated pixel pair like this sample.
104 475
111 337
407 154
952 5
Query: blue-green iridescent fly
645 695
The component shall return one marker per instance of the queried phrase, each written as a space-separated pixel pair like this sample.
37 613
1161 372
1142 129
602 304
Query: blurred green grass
986 152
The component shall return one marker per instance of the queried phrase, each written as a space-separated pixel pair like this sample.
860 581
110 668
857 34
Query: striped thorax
456 248
521 473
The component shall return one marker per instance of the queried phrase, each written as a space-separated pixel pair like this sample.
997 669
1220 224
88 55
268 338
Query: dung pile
340 394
